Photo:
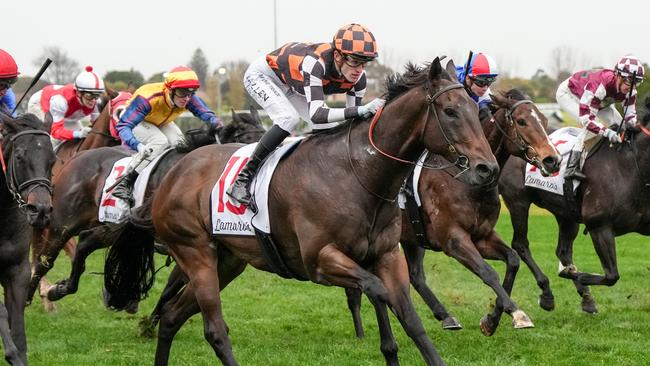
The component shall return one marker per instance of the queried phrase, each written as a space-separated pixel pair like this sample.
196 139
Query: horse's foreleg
492 247
519 221
415 257
15 289
354 304
335 268
461 247
12 355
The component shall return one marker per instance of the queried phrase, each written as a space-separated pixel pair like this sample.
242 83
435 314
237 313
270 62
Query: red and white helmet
88 81
630 65
483 65
8 67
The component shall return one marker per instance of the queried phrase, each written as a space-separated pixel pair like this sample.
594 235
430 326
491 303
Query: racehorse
78 191
612 201
100 135
25 199
459 219
333 212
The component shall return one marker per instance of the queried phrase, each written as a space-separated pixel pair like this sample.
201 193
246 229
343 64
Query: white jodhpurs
156 138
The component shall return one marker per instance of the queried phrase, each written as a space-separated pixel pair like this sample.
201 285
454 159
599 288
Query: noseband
10 174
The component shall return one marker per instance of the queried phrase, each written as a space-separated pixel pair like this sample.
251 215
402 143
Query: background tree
234 94
199 63
63 68
121 79
376 73
564 61
156 78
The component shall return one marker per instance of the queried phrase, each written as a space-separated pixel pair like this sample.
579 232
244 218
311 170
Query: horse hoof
486 327
521 321
546 302
451 323
132 307
147 327
55 293
589 304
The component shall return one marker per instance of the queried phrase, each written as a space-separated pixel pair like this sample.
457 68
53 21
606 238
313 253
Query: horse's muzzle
38 215
487 174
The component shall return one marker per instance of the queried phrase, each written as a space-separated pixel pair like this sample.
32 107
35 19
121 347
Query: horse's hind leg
89 241
415 258
11 351
174 285
564 251
390 288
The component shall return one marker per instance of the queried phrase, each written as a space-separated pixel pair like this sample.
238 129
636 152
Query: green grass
279 322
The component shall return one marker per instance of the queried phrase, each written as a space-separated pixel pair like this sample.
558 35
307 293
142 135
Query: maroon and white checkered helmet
630 65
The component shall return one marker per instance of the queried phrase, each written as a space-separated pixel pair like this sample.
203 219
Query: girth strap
273 257
413 213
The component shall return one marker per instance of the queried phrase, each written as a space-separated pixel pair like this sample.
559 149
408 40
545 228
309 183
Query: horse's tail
129 267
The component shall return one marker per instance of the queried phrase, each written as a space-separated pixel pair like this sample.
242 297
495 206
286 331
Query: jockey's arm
9 102
592 96
58 108
319 113
132 116
200 110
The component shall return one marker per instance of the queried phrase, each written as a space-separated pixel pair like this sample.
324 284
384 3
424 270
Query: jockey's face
181 97
88 100
4 87
624 84
478 86
349 67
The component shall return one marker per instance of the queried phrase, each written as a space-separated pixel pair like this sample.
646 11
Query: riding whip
36 78
466 69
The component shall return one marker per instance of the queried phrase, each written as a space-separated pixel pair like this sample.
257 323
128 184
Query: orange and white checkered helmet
356 40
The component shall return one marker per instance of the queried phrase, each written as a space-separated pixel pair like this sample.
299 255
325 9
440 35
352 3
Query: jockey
147 125
589 96
477 76
291 82
8 76
65 105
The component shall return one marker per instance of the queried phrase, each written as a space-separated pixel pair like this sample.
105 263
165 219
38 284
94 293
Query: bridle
519 141
462 161
13 185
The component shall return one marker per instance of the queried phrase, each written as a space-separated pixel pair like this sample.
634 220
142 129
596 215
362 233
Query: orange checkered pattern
355 39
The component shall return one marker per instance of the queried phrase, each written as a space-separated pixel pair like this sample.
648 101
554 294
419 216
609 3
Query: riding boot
573 166
124 189
239 190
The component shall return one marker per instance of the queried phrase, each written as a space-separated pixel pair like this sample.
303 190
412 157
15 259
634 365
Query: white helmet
88 81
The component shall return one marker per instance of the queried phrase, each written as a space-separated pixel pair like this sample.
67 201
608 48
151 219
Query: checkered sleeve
313 71
591 99
355 95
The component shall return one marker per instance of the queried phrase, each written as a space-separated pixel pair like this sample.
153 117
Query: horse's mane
195 138
30 121
396 85
645 112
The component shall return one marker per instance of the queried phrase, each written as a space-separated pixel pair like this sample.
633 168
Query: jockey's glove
371 108
611 135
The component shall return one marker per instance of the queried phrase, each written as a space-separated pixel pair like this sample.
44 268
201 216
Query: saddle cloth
563 139
229 219
116 210
401 197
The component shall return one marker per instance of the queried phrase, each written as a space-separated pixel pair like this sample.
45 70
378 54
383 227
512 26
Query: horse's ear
256 116
451 69
7 123
235 116
499 99
111 93
435 70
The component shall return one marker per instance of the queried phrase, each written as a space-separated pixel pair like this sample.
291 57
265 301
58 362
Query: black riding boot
124 189
239 190
573 166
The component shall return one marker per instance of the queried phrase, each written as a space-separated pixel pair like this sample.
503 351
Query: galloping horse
612 201
459 219
25 199
333 211
78 191
99 136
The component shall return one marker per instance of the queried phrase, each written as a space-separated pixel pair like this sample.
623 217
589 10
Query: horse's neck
496 138
5 196
101 130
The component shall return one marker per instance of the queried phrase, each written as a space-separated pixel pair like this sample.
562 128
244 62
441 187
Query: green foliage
156 78
127 77
199 63
274 321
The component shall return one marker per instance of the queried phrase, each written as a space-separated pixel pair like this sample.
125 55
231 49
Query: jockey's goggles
482 81
184 92
90 96
629 80
354 61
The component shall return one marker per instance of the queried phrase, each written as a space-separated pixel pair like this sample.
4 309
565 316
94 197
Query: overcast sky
153 36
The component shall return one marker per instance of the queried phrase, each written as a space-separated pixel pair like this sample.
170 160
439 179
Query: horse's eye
450 112
521 122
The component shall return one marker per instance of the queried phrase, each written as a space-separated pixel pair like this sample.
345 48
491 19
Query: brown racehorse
333 211
77 194
459 219
99 136
612 201
25 199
